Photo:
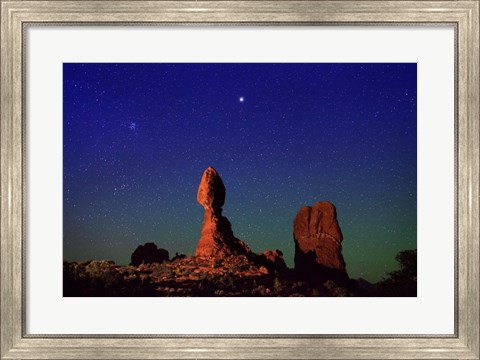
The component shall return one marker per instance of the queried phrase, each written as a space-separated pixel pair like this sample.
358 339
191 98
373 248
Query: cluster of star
137 138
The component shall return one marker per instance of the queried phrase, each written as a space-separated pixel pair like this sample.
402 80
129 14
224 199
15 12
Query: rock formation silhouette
149 253
217 239
317 236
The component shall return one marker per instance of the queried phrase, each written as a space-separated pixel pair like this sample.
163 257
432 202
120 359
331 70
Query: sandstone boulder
317 236
211 191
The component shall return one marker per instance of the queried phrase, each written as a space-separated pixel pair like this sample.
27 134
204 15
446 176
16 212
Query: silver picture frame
16 16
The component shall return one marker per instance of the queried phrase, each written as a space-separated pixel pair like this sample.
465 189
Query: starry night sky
137 138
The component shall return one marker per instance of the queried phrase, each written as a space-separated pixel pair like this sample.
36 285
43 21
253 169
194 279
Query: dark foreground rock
148 254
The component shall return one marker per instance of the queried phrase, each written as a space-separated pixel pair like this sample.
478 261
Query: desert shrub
226 282
402 282
179 271
300 286
277 285
145 278
207 286
75 278
70 271
187 271
262 290
182 271
129 270
316 292
145 268
162 270
217 263
238 264
210 284
76 271
334 289
103 273
91 278
235 268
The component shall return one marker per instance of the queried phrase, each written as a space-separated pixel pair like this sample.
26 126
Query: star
241 99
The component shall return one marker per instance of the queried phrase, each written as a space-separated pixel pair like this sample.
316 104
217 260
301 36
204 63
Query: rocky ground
225 265
192 276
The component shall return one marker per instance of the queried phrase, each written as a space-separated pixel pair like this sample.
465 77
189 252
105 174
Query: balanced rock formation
217 239
148 253
317 235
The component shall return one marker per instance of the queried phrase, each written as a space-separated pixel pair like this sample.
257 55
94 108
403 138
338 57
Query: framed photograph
227 179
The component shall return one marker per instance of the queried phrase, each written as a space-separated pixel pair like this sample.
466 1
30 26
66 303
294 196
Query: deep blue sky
137 138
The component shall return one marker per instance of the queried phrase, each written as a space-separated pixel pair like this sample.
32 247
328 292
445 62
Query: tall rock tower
217 239
317 236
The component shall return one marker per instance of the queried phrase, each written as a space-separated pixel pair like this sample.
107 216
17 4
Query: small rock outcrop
273 259
317 236
178 256
147 254
217 239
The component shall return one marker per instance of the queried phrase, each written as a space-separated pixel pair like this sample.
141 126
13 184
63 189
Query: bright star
241 99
